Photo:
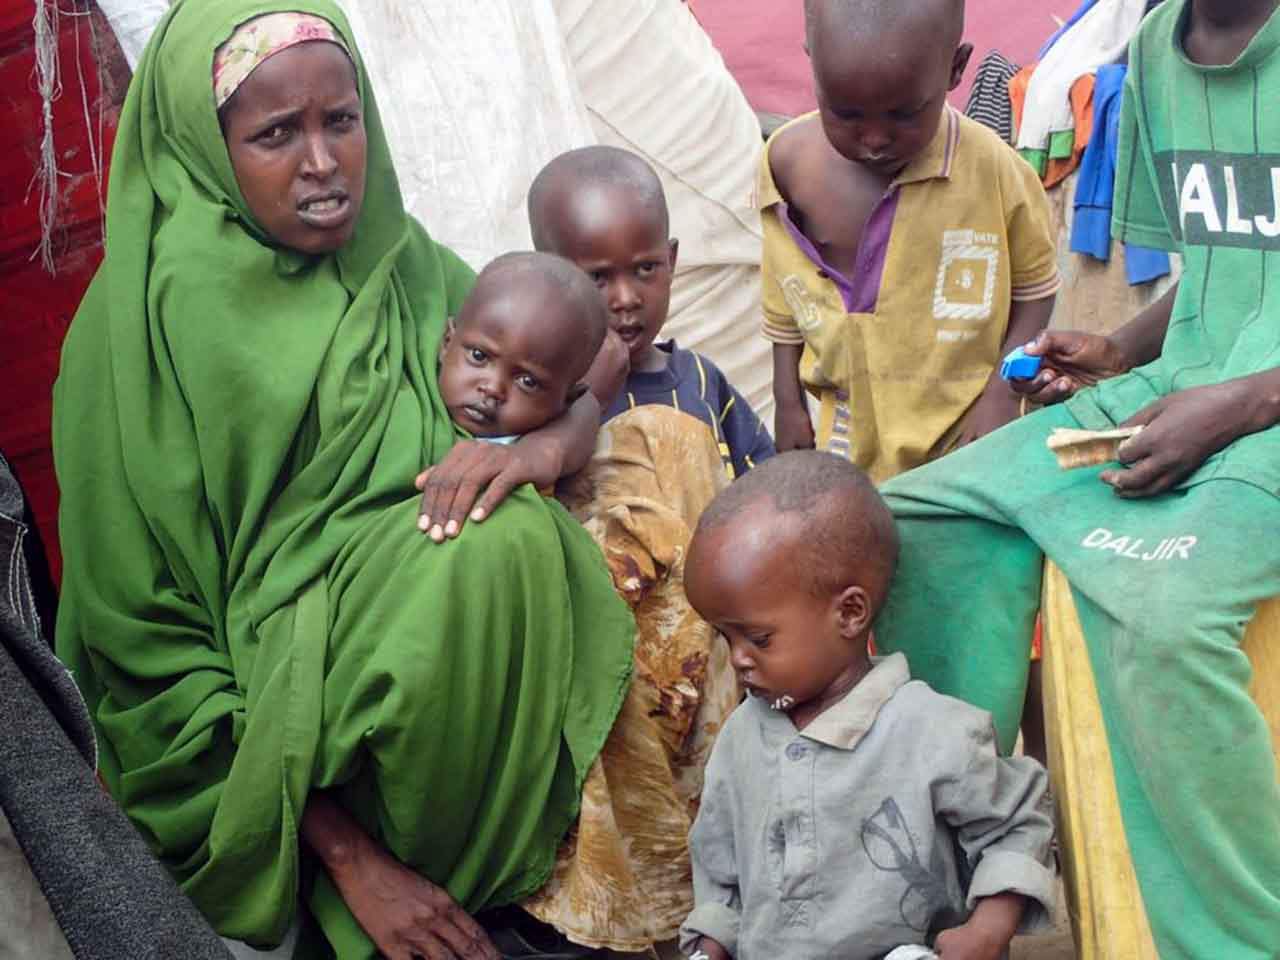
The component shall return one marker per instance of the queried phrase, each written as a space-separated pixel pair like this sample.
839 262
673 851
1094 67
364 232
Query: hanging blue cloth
1091 227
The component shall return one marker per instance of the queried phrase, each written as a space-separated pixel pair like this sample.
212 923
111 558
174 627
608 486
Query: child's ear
958 63
854 611
449 330
674 245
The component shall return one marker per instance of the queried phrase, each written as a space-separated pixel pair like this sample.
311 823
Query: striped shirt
694 385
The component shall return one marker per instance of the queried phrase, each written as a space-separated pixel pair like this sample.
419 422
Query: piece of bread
1088 448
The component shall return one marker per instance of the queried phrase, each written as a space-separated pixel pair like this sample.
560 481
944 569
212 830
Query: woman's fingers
464 937
497 490
440 485
480 473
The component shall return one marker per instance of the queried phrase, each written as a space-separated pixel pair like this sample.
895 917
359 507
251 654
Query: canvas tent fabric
487 91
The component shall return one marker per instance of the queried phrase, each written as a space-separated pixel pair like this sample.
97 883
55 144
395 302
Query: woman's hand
404 915
1071 361
474 477
1180 431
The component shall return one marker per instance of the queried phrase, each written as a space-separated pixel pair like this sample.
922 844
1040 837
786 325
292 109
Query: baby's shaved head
584 321
883 19
843 532
580 171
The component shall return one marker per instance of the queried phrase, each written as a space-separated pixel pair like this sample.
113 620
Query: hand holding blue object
1019 365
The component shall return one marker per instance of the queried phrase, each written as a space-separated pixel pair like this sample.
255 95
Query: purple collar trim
860 292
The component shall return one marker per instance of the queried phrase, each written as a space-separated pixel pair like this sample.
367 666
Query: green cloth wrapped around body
247 603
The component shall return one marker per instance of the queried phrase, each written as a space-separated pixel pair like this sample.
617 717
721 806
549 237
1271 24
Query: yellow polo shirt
899 352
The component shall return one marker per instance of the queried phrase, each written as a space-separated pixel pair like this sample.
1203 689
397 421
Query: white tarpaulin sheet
477 95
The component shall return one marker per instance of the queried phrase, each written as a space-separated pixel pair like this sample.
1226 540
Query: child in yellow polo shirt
906 247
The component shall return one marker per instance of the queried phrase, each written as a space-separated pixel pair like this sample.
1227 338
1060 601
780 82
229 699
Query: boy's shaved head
882 70
879 19
584 171
840 525
585 322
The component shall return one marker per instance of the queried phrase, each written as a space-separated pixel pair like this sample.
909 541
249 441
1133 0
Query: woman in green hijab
294 689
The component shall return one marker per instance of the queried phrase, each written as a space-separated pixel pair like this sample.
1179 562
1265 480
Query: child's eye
597 277
528 382
476 355
646 269
760 640
343 119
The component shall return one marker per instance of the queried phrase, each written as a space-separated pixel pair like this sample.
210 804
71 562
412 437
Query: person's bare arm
792 428
998 404
405 915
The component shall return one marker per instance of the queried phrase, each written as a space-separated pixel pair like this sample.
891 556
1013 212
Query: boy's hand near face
986 934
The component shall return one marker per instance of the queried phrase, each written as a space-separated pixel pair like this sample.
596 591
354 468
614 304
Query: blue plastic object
1018 366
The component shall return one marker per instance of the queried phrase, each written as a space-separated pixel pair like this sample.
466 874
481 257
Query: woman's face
295 133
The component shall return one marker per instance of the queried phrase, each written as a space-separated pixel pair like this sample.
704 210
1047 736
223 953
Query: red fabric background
763 43
35 307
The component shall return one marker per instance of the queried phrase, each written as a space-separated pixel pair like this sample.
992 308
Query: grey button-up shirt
880 824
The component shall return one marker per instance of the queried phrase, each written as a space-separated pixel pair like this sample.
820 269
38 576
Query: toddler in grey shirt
848 810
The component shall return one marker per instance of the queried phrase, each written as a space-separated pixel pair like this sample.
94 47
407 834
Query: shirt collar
935 160
843 724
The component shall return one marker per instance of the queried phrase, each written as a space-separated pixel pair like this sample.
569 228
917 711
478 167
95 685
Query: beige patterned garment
622 879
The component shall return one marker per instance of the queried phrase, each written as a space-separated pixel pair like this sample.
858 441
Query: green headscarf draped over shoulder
247 603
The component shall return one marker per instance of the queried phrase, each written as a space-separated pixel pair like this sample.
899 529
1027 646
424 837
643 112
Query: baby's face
785 641
503 370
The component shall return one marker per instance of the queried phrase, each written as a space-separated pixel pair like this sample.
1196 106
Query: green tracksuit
1165 585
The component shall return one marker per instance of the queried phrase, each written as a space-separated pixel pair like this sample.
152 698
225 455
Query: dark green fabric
247 604
1198 172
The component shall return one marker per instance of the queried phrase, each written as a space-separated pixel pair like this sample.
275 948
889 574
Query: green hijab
246 603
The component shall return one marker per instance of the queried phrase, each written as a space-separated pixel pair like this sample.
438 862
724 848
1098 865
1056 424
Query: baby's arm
999 809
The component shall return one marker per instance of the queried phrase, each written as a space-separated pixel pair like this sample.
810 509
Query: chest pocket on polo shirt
968 270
